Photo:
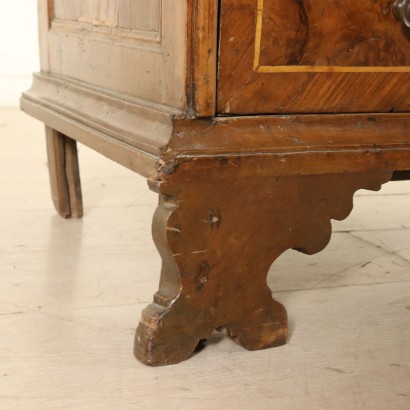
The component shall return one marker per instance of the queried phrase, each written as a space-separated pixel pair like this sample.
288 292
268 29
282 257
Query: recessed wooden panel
312 56
333 34
129 14
67 10
132 47
139 14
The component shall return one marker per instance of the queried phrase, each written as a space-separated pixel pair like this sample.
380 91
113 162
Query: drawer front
298 56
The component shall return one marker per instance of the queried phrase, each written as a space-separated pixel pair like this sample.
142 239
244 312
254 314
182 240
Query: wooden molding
138 135
131 134
291 133
140 124
100 32
289 145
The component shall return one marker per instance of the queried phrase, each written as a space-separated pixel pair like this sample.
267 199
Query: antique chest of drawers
254 120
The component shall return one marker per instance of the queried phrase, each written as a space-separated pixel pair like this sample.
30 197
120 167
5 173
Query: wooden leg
64 174
218 239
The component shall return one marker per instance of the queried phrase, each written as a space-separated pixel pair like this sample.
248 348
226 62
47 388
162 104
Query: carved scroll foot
218 239
264 327
166 336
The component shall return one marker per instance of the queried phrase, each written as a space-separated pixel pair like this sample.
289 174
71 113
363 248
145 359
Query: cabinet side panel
131 47
129 14
139 14
44 9
117 67
174 49
67 10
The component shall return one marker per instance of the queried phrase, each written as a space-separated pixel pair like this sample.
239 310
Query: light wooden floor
71 294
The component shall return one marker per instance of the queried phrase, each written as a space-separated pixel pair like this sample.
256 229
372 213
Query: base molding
138 134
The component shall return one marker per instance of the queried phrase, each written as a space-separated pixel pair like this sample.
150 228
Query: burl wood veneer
255 121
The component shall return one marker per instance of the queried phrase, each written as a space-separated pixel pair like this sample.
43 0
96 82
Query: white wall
18 48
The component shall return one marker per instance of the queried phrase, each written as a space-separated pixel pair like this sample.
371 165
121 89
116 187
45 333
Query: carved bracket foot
218 239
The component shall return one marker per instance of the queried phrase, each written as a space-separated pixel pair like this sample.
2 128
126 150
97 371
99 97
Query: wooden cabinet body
255 121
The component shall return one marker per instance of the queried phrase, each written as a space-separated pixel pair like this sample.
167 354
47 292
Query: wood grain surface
294 57
129 14
202 57
332 34
136 48
217 248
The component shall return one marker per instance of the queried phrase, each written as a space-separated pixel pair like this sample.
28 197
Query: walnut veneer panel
310 56
330 34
